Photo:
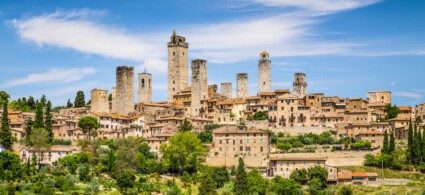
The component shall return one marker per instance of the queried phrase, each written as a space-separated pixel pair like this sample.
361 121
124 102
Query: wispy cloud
53 75
393 83
408 95
318 5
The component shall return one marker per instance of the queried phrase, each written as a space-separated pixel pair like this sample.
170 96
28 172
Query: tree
416 146
320 173
110 97
208 185
28 130
284 186
126 180
88 124
314 186
385 147
184 152
220 175
206 136
79 100
185 126
260 115
69 104
346 190
392 111
410 143
40 141
419 146
392 143
423 145
241 181
285 146
6 138
43 100
31 103
300 176
9 166
257 184
39 121
48 121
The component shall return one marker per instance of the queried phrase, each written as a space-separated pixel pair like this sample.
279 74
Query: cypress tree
208 185
420 146
416 147
30 123
423 145
48 121
6 137
38 121
410 143
69 104
79 100
43 100
241 182
392 143
385 147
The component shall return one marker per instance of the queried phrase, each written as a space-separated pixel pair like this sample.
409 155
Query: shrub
346 190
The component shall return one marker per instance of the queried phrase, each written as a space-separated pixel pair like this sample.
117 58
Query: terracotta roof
405 108
252 98
345 175
267 93
170 118
286 158
359 174
281 91
400 118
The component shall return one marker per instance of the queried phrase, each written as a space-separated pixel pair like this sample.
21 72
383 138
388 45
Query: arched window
143 82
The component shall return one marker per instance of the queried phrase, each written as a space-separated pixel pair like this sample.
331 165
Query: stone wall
262 124
300 85
226 90
199 86
341 158
145 87
379 97
99 101
177 65
264 75
114 100
242 85
125 90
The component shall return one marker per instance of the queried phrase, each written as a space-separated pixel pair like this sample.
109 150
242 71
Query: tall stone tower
114 100
226 90
199 86
125 90
145 87
242 85
177 65
99 101
300 85
264 75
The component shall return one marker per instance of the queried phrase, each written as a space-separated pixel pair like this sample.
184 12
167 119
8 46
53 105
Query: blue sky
346 47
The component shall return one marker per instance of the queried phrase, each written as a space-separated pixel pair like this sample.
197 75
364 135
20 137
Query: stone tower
242 85
300 85
199 86
145 87
125 90
114 100
99 101
177 65
226 90
264 75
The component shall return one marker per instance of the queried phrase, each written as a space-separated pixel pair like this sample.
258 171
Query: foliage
314 186
220 175
320 173
84 172
39 117
300 176
392 143
6 138
185 126
126 180
88 124
285 146
207 185
260 115
184 152
385 145
257 184
346 190
10 168
209 127
69 104
48 121
392 111
79 100
65 142
362 144
39 139
284 186
206 136
241 182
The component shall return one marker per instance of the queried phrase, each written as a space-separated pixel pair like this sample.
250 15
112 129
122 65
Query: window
143 82
241 148
261 149
220 141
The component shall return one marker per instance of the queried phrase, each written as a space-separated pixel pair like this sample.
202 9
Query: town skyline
49 59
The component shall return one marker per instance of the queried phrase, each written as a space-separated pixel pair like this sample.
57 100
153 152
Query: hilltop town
276 133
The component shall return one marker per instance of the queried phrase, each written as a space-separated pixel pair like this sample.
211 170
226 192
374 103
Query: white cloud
318 5
393 83
53 75
408 95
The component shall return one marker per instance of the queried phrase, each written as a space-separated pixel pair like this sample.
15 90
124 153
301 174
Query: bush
361 145
346 190
61 142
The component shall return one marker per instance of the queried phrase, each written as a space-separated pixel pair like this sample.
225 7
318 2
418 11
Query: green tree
257 184
6 138
346 190
28 130
9 166
110 97
43 100
410 143
185 126
48 121
79 100
39 119
184 152
241 181
206 136
285 146
284 186
88 124
392 143
416 146
385 147
186 179
314 186
320 173
392 111
419 145
423 145
126 180
260 115
39 139
207 185
220 175
31 103
69 104
300 176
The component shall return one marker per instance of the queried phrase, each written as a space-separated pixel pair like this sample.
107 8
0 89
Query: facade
300 85
264 74
99 101
177 65
242 85
226 90
199 86
125 90
284 166
145 87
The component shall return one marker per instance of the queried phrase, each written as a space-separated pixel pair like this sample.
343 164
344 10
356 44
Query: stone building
420 112
226 90
125 90
379 97
199 86
300 85
242 85
284 166
114 100
177 65
99 101
264 74
145 87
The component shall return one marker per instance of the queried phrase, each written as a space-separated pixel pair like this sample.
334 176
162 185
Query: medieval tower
114 102
226 90
177 65
125 90
99 101
264 75
242 85
145 87
199 86
300 85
